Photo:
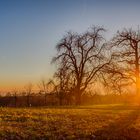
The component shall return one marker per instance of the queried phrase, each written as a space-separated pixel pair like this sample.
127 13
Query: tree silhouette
15 97
28 91
126 53
63 84
43 86
83 55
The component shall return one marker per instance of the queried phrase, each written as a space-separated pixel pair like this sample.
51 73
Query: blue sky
30 29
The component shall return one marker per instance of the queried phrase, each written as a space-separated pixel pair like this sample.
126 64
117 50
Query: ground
97 122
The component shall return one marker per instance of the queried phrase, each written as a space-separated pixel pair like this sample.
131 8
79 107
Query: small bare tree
63 84
28 91
15 97
43 86
46 87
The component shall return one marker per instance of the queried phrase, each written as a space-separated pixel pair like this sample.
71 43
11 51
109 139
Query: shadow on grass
122 129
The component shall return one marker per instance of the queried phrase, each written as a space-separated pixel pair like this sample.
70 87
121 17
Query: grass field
78 123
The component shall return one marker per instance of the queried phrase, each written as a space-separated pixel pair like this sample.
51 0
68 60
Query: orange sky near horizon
30 30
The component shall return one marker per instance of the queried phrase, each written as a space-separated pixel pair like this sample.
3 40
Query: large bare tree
83 56
126 55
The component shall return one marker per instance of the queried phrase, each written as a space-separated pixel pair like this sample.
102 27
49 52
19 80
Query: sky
30 30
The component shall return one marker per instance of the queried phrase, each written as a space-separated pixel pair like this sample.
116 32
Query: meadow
106 122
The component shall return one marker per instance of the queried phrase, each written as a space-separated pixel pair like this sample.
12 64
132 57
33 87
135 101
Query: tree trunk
15 101
60 101
45 99
137 71
137 85
78 97
28 100
60 96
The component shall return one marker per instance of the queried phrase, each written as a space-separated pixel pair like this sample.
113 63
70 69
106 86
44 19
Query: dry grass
92 122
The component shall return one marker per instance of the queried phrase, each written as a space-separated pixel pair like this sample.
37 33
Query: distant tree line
52 99
83 61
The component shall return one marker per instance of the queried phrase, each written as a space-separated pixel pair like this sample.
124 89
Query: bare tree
43 86
84 56
28 91
126 52
15 97
46 87
63 84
